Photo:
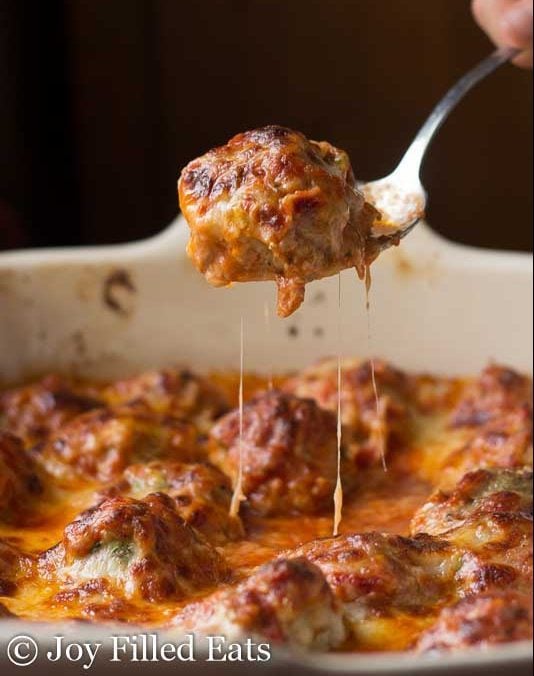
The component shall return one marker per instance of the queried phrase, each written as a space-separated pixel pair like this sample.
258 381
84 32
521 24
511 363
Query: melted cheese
384 502
338 491
238 496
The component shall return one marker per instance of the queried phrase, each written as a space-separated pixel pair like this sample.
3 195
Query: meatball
20 483
381 578
289 451
176 392
505 441
143 547
371 429
495 417
14 566
487 518
480 621
382 571
202 494
483 492
285 601
100 444
496 552
34 411
272 205
498 390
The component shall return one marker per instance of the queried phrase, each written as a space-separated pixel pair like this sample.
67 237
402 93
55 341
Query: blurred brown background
103 101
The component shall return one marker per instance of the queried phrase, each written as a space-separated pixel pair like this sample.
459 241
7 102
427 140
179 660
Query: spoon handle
413 157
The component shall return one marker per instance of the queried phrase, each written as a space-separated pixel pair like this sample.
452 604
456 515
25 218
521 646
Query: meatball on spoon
273 205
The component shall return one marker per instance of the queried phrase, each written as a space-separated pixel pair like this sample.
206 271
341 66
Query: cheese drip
238 496
338 491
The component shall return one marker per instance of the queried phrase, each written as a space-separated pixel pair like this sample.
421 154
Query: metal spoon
400 197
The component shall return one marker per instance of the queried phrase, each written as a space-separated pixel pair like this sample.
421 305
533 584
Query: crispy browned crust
489 551
370 430
383 572
479 493
497 552
479 621
171 391
164 557
505 441
272 205
497 410
498 390
487 517
20 481
201 494
286 600
100 444
135 554
289 453
34 411
97 601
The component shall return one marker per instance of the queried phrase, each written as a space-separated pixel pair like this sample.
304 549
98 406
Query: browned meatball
388 585
272 205
289 450
480 621
483 492
385 571
176 392
20 483
142 547
201 493
487 517
100 444
494 419
378 577
285 601
498 390
496 552
34 411
370 429
505 441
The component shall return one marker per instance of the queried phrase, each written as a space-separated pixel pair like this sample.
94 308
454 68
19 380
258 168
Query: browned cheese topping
115 506
273 205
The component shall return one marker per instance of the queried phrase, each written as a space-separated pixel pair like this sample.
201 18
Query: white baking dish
109 311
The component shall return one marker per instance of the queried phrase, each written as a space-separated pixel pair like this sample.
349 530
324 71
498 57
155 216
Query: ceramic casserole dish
110 311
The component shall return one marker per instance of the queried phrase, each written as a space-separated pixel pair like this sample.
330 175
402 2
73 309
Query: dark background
103 101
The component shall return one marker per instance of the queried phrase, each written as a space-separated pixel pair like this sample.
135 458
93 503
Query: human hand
508 23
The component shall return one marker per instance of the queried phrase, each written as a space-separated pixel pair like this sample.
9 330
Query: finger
517 31
507 23
524 60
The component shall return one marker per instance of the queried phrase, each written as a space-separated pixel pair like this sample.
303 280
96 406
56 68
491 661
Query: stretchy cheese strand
238 496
